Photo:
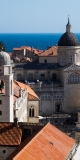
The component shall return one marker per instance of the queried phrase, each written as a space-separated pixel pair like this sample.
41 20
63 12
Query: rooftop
52 51
8 134
38 66
50 143
31 93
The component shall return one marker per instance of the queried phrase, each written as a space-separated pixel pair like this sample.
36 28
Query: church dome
4 58
68 38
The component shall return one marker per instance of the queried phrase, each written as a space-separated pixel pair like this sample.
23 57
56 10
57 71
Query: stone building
25 53
18 102
56 78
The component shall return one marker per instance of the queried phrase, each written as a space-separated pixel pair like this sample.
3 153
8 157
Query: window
70 58
0 113
63 59
27 132
31 112
54 76
58 107
58 96
42 76
4 151
46 97
45 61
0 101
74 78
30 76
1 85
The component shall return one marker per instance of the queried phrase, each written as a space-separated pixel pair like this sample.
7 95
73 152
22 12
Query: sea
36 40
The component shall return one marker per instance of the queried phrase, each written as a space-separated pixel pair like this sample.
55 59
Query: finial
68 26
68 20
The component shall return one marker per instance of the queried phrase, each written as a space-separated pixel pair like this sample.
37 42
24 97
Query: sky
39 16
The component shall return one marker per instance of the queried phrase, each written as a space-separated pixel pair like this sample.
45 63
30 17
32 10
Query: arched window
45 61
30 76
2 87
74 78
45 97
63 59
18 76
54 76
42 76
58 96
31 112
70 58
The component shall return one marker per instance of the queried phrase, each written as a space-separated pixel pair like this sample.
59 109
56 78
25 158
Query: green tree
2 47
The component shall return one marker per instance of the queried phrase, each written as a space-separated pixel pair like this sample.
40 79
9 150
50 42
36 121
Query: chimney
20 92
16 122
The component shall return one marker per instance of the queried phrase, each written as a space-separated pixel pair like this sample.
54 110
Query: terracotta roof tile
8 134
36 51
31 94
50 143
24 86
16 87
50 52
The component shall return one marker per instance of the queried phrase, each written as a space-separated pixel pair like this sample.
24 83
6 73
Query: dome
4 58
68 39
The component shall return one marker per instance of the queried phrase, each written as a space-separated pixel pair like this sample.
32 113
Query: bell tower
6 89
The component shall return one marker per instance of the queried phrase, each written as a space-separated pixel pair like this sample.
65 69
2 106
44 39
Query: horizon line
35 32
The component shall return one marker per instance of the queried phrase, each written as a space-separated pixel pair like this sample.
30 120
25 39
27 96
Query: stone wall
5 152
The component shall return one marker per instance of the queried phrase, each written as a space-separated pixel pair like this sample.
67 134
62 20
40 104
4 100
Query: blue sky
39 16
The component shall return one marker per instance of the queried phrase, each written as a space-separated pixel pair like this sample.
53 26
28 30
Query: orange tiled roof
8 134
16 87
31 94
50 143
36 51
50 52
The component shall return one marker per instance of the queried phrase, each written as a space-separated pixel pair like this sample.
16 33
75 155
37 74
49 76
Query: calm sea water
41 40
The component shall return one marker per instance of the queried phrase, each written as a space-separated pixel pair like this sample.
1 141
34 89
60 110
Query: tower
68 48
6 88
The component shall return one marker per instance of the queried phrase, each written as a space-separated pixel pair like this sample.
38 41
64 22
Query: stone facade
14 97
58 93
57 84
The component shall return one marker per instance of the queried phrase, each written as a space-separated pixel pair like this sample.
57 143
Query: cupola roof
4 58
68 38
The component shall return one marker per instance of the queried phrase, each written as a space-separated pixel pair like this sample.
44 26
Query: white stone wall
77 154
7 99
64 54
